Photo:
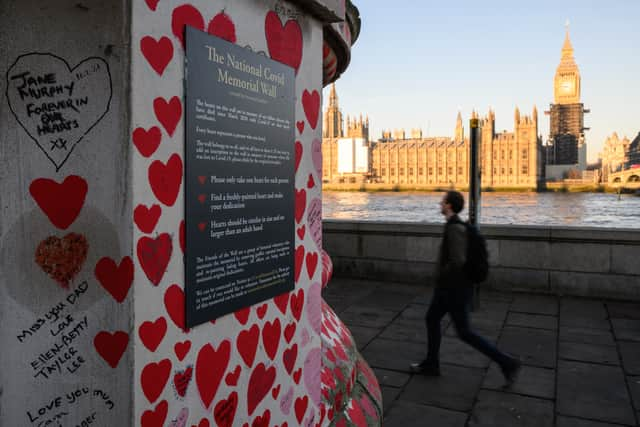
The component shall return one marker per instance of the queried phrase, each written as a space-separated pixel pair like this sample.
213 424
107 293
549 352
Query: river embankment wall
580 261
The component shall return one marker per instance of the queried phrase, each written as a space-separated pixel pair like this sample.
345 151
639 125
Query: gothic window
440 171
510 154
524 154
450 170
374 171
410 171
393 171
502 154
495 171
401 171
459 170
384 171
495 155
525 170
502 171
510 171
430 171
420 171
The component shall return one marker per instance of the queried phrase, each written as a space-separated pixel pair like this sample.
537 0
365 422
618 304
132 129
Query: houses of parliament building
509 159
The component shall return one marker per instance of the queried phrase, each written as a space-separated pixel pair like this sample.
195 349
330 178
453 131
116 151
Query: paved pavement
581 358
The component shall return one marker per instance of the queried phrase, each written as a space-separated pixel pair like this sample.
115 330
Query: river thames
563 209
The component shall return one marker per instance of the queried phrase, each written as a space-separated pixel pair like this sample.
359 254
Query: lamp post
474 189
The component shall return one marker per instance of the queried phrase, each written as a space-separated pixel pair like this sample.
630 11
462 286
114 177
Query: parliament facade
508 159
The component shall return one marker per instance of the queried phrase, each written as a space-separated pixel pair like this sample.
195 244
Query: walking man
453 294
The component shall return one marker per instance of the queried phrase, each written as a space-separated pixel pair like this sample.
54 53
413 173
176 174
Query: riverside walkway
581 358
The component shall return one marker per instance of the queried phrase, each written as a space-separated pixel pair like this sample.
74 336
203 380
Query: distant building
614 155
509 159
566 147
633 153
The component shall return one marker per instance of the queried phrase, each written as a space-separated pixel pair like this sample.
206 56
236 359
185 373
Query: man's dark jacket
453 255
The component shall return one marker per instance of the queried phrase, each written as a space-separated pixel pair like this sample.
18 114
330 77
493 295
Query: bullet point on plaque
202 198
202 179
202 226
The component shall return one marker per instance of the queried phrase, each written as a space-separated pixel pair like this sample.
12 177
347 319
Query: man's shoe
511 371
425 369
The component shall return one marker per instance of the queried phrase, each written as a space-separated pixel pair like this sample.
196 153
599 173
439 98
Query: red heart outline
116 279
61 203
211 364
185 15
154 256
283 41
271 337
298 154
281 302
168 113
243 315
157 52
152 333
311 106
297 303
165 180
312 262
300 126
147 141
299 258
289 331
301 204
231 379
181 380
222 26
260 382
111 346
62 259
147 218
310 182
181 349
289 358
263 420
261 311
154 377
247 344
152 4
301 408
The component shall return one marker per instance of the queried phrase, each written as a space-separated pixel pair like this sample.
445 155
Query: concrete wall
65 306
556 260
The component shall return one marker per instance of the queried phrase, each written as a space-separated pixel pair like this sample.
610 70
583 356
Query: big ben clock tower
566 134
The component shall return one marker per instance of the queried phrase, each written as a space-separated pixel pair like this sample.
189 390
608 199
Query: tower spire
333 97
567 48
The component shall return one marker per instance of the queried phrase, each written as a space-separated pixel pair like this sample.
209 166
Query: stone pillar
91 249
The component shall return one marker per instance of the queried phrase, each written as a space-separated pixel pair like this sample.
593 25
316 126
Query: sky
417 63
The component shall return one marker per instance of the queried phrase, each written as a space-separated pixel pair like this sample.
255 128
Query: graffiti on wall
55 104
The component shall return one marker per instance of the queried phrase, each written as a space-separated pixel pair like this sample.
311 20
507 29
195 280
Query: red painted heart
283 41
111 346
154 255
298 153
311 106
62 259
185 15
289 331
301 231
203 423
261 311
181 349
168 113
289 358
262 420
312 262
301 407
165 180
155 417
275 391
300 126
154 378
243 315
174 303
152 333
222 26
116 279
225 410
181 380
296 376
301 204
158 53
260 382
271 337
310 182
62 202
152 4
247 344
147 141
147 218
281 302
202 198
211 364
299 258
297 302
231 379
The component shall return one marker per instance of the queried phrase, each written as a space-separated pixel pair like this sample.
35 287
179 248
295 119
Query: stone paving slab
489 329
370 317
586 336
535 304
395 355
457 352
595 392
391 378
626 329
630 353
363 335
389 395
538 321
496 409
634 389
584 322
592 353
456 389
623 310
416 332
403 414
536 347
387 299
532 381
583 308
563 421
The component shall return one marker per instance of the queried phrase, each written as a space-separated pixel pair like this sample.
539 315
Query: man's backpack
477 264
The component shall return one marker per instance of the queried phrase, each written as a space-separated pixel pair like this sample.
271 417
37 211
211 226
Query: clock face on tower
566 87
